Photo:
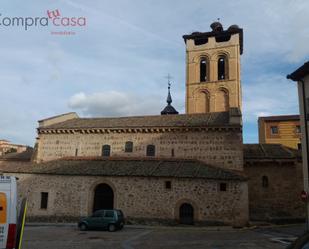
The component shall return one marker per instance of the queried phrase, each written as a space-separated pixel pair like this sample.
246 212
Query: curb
210 228
158 227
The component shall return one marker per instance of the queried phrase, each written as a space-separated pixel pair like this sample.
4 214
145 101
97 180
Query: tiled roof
126 167
280 118
182 120
19 156
269 152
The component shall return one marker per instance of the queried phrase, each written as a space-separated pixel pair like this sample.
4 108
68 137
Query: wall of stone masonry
71 197
219 148
281 199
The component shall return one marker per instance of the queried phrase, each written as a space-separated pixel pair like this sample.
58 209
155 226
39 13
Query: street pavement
148 237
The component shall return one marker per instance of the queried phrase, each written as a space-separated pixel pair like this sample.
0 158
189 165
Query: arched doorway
103 197
186 214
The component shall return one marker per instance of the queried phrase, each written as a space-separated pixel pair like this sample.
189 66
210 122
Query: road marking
284 240
127 243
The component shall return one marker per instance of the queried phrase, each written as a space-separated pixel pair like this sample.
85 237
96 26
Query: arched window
222 67
222 100
106 150
128 146
203 69
151 150
202 104
265 182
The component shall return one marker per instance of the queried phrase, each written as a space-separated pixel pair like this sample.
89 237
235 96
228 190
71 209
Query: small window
109 214
106 150
274 130
265 182
44 200
119 213
200 41
76 152
299 146
128 146
173 152
98 213
168 184
151 150
297 129
223 38
223 186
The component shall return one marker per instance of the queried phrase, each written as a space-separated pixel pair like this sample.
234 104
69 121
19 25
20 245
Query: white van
8 212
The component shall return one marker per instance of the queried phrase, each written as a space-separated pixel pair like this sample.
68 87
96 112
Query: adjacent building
301 75
7 147
275 176
283 129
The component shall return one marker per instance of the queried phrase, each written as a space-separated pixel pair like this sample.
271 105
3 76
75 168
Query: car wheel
111 228
83 227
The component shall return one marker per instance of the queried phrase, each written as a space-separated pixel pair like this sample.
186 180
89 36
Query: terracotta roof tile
127 167
269 151
18 156
181 120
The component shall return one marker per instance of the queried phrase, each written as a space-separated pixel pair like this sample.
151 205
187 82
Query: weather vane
169 77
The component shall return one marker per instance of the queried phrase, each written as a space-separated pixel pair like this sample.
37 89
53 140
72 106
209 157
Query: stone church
169 168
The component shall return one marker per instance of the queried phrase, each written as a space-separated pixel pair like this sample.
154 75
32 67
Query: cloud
269 95
118 62
114 103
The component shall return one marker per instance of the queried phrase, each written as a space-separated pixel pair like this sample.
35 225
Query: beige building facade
213 69
8 147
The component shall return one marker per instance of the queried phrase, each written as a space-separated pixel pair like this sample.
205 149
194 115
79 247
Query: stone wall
219 148
139 197
280 200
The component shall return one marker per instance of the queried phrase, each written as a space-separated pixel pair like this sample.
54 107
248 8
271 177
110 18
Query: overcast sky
116 64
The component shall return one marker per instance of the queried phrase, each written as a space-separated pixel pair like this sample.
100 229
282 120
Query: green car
111 219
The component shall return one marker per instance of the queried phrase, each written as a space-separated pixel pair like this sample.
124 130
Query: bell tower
213 69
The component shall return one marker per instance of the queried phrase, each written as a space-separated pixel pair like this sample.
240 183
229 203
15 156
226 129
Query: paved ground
68 237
